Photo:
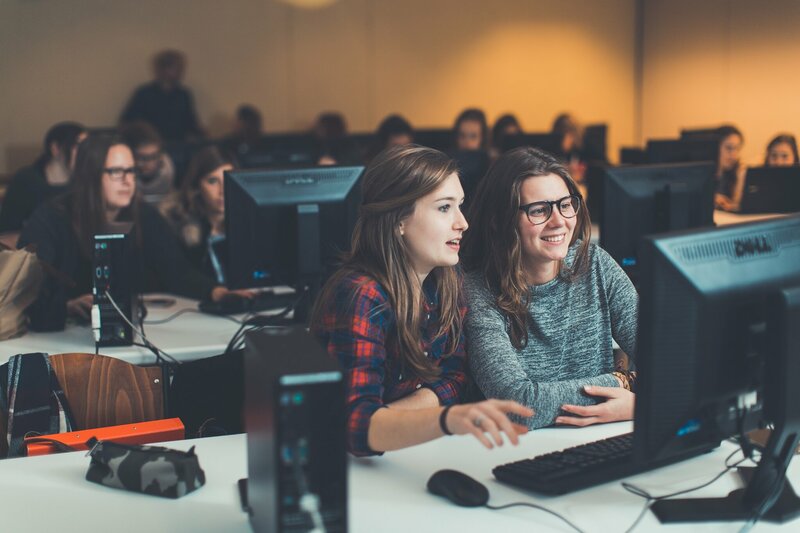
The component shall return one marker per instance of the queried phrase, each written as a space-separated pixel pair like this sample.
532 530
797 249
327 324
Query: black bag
148 469
208 395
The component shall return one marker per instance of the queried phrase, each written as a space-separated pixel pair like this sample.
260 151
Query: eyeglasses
539 212
119 173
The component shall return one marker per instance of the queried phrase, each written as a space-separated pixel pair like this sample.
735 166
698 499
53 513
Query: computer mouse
459 488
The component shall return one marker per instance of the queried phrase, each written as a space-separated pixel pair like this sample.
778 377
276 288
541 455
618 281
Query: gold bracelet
623 379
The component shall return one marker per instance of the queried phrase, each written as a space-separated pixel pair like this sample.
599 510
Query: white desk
386 494
724 218
187 337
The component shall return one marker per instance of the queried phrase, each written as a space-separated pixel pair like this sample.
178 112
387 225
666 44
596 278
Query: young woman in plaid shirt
393 313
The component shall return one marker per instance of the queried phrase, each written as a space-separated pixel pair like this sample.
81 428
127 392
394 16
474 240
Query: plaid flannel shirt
358 328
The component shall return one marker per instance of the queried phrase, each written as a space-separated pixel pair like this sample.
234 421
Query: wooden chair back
104 391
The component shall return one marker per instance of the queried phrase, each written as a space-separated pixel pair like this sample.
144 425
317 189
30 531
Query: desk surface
386 494
187 337
723 218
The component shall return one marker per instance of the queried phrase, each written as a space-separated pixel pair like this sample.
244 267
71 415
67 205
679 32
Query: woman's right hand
489 416
81 306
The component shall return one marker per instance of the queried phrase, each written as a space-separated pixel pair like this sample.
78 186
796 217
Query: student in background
394 130
570 135
248 132
32 185
155 172
331 144
730 170
165 103
544 302
103 199
471 131
506 125
782 152
569 132
392 314
196 212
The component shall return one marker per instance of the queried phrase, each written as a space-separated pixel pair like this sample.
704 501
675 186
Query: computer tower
295 421
113 273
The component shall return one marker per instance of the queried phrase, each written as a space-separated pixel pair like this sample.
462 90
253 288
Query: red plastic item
139 433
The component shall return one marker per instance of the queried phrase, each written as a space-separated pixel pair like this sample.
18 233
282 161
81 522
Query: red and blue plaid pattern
359 328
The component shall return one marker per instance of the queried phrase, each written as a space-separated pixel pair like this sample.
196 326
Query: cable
650 499
176 314
308 501
156 350
535 506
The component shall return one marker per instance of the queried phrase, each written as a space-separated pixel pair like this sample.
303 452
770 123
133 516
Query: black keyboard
263 301
574 468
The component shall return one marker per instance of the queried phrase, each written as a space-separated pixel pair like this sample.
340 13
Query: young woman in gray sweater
544 303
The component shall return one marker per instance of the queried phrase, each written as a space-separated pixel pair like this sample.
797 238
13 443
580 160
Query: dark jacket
170 112
162 266
27 190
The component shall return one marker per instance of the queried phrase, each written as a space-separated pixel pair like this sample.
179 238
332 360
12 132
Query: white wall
427 59
714 61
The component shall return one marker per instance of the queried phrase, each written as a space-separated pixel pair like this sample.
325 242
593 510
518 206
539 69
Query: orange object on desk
138 433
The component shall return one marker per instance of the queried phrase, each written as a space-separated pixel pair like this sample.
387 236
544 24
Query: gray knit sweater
569 338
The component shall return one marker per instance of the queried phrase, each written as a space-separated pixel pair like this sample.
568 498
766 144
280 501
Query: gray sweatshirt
569 338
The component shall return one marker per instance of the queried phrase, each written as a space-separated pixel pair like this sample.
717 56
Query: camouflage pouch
148 469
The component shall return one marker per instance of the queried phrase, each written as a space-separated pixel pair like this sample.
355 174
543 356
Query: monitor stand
728 509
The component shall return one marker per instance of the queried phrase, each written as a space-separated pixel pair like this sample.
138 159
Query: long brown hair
86 203
391 186
202 164
494 246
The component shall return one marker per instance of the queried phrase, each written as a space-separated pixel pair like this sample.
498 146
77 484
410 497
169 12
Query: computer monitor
717 351
771 190
288 226
472 167
700 133
594 143
284 149
549 142
631 155
682 150
641 200
441 139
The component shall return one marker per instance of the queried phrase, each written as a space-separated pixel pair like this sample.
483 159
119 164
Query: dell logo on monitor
751 246
299 180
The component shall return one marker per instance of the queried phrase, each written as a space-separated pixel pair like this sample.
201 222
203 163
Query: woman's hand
218 293
725 203
489 416
81 306
618 405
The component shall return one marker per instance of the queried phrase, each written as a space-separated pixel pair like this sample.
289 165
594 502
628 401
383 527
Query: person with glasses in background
103 199
155 172
544 302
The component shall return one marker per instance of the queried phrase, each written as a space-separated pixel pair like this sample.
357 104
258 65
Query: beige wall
714 61
427 59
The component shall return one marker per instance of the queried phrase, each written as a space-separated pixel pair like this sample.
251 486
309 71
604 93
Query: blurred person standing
165 103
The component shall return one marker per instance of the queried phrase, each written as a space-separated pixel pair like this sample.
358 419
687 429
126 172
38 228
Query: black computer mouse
458 488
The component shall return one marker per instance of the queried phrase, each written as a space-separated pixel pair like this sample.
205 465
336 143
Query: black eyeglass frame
548 204
118 173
